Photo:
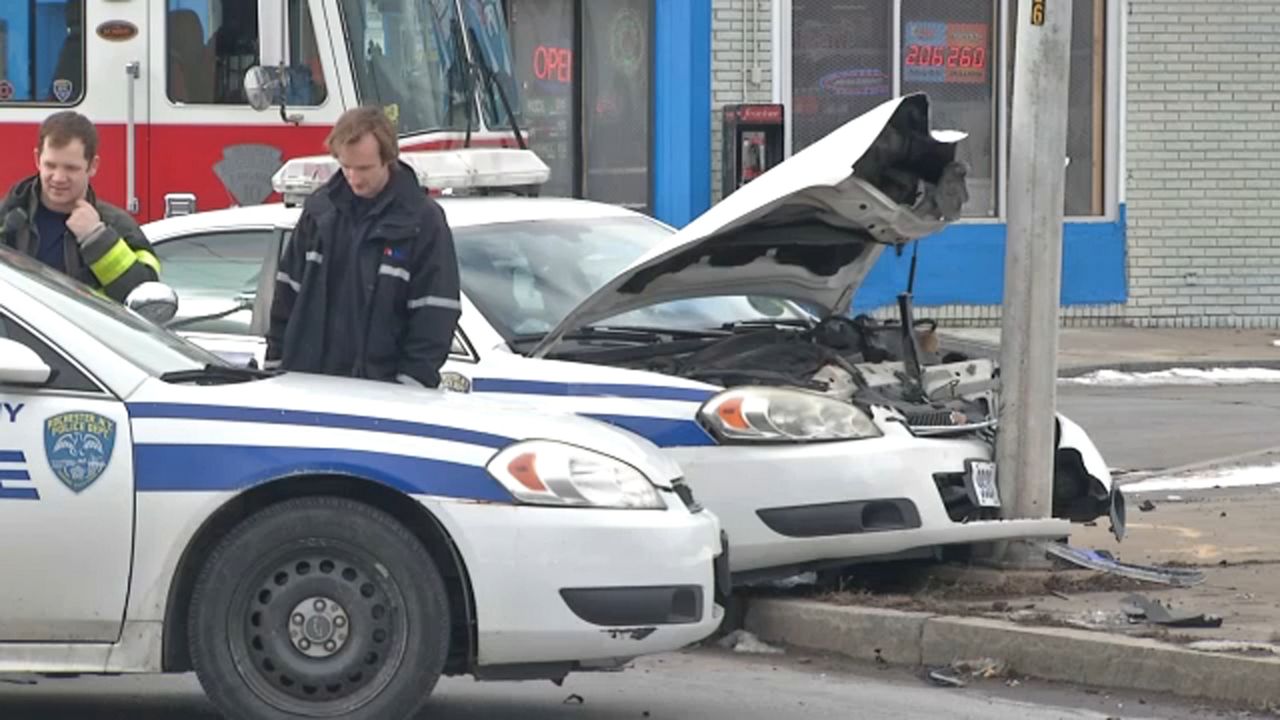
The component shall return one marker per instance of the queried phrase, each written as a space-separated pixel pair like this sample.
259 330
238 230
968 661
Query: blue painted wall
964 265
682 110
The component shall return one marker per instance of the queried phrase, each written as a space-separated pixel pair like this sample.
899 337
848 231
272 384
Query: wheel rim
318 631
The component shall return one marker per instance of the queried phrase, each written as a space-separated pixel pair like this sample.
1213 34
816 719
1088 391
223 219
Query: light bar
464 169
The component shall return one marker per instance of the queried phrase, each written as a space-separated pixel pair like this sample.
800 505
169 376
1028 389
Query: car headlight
545 472
761 414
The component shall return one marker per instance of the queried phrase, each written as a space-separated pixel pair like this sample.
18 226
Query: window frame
98 390
84 62
1112 97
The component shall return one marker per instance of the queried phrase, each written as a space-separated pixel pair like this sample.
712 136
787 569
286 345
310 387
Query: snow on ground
1177 376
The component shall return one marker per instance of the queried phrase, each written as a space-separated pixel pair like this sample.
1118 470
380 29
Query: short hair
355 123
60 128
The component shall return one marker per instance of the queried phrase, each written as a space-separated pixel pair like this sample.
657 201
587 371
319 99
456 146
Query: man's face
64 174
363 167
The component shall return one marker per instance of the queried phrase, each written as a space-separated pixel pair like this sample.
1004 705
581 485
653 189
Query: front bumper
585 585
788 506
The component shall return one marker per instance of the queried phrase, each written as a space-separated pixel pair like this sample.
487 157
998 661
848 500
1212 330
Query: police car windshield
151 348
526 276
407 57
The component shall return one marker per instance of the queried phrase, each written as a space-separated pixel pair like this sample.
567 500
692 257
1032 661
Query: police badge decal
78 446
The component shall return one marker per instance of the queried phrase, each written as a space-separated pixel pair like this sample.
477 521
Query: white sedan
312 546
817 438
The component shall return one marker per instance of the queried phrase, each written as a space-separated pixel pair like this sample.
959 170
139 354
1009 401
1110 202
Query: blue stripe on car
192 468
539 387
316 419
663 432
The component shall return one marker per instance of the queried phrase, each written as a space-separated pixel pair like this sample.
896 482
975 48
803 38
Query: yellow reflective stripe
115 263
101 293
146 258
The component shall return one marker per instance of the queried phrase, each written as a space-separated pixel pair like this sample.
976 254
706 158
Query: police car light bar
465 169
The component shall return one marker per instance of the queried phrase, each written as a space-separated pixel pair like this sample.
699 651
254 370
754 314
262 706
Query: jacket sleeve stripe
147 258
114 263
434 301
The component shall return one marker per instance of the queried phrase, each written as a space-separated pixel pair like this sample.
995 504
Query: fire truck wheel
319 607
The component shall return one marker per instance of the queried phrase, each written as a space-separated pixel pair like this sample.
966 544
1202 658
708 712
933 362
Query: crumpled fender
1073 437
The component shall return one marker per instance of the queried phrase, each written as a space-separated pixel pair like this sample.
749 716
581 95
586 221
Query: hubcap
318 627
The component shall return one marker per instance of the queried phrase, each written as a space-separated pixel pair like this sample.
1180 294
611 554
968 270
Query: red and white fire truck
165 82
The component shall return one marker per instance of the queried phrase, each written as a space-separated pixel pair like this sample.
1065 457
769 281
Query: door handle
132 71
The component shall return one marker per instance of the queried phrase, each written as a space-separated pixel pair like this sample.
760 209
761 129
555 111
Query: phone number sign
940 52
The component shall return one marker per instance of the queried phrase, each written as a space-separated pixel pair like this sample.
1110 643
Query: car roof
461 212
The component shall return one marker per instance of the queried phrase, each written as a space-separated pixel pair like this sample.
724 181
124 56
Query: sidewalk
1082 350
1069 626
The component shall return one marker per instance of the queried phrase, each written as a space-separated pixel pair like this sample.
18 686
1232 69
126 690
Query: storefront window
616 73
542 32
842 63
948 51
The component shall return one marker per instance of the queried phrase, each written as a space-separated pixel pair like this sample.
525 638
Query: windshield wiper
216 375
765 323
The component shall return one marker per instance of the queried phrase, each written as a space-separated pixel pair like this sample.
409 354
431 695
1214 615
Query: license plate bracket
980 481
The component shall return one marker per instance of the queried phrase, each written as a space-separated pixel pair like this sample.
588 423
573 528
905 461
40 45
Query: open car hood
810 228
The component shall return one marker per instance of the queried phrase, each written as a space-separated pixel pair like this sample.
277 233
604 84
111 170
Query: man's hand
84 219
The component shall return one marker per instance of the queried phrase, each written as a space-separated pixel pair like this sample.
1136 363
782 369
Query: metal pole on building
1033 264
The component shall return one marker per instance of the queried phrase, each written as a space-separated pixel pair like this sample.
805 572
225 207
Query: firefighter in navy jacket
368 284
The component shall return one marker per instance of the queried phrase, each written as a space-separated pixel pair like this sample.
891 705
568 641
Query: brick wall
1203 163
735 28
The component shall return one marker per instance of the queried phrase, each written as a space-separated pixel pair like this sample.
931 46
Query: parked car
818 439
314 546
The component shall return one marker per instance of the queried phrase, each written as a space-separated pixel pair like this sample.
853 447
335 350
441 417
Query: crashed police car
819 439
314 546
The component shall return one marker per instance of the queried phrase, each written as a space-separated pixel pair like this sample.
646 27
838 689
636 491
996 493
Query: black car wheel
319 608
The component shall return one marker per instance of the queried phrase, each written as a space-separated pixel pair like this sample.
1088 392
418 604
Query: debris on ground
1147 506
574 699
982 668
1105 562
804 579
742 641
942 679
1142 608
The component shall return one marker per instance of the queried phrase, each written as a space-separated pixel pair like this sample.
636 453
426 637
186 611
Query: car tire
319 607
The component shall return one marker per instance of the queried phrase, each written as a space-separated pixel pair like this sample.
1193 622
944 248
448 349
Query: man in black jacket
368 285
55 217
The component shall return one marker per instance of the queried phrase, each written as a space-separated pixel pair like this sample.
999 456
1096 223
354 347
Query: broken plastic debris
937 677
805 578
982 667
1103 562
1142 607
742 641
574 699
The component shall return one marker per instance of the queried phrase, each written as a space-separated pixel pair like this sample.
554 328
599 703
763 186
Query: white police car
311 546
812 435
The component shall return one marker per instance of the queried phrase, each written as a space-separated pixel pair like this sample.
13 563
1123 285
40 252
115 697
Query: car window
209 271
218 263
66 376
526 276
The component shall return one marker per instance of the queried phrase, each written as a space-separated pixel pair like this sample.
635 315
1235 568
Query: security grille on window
43 52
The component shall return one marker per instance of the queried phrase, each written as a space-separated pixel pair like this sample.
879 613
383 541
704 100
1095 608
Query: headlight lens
760 414
545 472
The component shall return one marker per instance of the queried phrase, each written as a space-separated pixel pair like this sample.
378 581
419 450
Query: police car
312 546
815 437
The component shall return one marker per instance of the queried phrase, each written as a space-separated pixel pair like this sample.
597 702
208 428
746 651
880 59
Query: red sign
760 114
553 63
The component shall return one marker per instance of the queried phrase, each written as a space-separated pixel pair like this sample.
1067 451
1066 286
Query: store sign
940 52
553 63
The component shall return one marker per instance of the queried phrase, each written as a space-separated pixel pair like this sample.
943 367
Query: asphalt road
708 684
1169 427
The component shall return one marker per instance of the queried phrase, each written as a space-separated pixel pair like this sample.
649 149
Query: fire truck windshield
408 58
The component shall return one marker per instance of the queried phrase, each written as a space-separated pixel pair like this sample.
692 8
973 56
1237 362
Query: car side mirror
154 301
20 365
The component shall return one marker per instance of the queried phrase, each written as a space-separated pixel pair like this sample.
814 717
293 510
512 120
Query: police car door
66 503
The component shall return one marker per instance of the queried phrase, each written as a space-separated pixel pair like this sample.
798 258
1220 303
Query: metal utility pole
1033 263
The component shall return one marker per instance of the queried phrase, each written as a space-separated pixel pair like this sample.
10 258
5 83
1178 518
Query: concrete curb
1057 654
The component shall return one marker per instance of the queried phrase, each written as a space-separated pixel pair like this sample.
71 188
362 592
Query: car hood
807 230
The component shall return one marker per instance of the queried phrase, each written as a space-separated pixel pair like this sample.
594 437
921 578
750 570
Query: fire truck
199 102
